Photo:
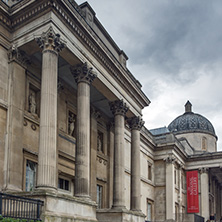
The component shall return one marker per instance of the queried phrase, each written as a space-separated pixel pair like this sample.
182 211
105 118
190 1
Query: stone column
170 188
136 124
204 188
84 76
51 45
119 110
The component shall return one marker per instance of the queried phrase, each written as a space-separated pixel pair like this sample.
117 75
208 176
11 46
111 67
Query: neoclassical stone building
71 128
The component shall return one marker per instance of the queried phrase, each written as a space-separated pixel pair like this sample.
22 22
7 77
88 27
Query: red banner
192 192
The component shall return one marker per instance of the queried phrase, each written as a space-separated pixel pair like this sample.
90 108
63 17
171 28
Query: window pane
99 196
149 213
30 175
63 184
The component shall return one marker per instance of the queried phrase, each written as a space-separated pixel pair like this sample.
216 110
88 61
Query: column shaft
83 76
83 137
135 170
119 110
47 161
119 174
136 124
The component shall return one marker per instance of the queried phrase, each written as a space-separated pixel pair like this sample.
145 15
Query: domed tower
197 129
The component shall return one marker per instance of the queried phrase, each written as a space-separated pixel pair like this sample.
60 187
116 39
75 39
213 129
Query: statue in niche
71 126
100 142
32 103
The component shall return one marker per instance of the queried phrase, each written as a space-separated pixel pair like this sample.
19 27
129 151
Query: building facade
72 132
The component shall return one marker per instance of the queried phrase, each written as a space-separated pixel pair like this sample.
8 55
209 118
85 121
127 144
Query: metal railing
20 207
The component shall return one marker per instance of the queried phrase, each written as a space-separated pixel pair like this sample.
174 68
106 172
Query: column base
119 215
63 207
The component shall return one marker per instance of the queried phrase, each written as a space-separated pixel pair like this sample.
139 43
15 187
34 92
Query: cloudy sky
175 51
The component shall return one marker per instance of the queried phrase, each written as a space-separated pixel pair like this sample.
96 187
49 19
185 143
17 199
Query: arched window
204 143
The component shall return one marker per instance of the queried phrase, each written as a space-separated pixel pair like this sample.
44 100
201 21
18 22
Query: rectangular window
149 211
63 184
30 179
99 195
149 171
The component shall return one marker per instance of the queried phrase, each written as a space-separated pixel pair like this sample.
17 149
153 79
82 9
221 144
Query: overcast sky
175 51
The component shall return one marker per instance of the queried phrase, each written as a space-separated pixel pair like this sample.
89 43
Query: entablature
68 14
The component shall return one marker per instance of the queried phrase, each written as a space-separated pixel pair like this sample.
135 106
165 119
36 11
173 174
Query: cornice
79 27
4 18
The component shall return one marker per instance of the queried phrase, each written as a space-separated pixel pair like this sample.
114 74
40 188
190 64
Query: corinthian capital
14 54
83 73
203 170
136 123
170 159
118 107
50 41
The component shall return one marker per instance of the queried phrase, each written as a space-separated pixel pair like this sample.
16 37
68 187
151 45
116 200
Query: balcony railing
20 207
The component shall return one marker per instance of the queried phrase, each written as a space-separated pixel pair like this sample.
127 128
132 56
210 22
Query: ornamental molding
92 40
136 123
50 41
83 73
14 54
118 107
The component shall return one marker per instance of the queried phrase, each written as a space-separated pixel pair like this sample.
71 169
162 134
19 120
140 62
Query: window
149 171
99 195
149 211
63 184
30 179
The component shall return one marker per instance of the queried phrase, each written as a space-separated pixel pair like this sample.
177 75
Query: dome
191 122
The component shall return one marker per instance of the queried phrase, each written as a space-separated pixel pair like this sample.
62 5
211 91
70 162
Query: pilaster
18 62
170 188
204 188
